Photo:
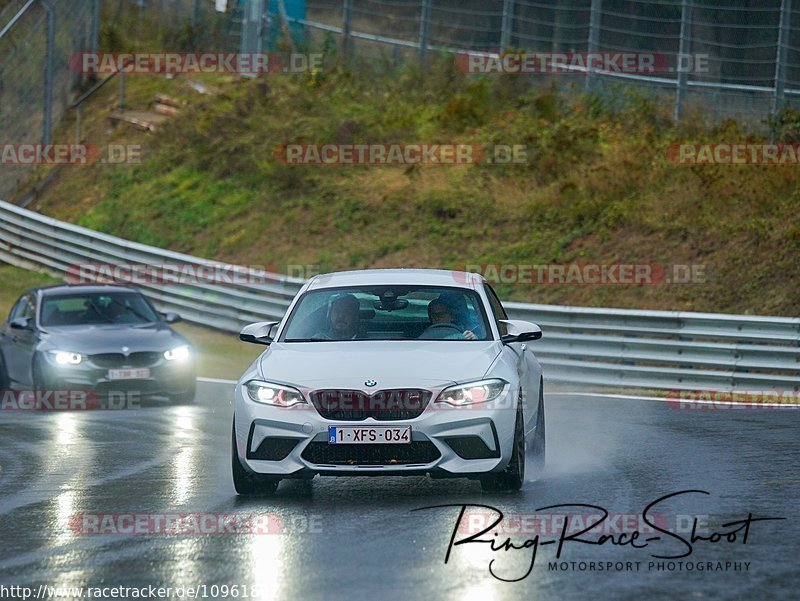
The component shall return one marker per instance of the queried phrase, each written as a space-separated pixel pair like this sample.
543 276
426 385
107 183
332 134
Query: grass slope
598 187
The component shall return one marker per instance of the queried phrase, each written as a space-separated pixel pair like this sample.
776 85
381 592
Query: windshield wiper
100 313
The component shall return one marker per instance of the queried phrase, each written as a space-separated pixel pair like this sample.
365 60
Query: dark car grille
119 360
418 451
384 405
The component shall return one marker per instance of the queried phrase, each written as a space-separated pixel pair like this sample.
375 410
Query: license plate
129 374
367 435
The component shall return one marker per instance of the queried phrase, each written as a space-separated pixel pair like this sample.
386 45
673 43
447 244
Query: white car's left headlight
482 391
180 353
269 393
67 358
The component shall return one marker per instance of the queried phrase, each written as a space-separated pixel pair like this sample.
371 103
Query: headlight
180 353
67 358
473 392
274 394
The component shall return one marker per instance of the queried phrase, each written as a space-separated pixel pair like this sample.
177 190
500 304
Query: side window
29 309
497 310
21 308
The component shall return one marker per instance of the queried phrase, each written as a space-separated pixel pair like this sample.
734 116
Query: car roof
397 277
62 289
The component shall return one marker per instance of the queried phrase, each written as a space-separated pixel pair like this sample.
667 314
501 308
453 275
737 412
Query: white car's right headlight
482 391
269 393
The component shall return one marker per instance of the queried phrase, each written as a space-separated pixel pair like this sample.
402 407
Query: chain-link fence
751 47
37 39
172 25
731 59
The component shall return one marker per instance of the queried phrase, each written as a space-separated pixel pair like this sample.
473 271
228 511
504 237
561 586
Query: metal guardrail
586 346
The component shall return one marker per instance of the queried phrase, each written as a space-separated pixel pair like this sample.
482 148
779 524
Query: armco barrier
586 346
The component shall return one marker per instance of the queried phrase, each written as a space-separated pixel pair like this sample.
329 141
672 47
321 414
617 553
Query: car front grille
383 405
418 451
119 360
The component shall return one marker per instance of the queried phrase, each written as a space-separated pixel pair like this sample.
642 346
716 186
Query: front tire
244 482
39 381
512 478
5 382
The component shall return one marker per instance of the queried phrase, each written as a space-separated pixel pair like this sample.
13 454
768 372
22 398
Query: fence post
95 28
78 110
347 21
48 73
424 20
196 13
252 26
780 63
683 50
508 23
594 38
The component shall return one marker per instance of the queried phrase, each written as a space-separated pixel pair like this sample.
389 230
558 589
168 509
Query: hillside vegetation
597 188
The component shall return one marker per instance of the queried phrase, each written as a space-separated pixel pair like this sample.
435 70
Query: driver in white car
443 323
343 320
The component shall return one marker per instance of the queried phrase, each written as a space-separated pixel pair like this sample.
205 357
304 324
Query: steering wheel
441 326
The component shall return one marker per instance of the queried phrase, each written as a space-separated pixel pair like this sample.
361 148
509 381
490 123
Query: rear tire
246 483
538 446
513 477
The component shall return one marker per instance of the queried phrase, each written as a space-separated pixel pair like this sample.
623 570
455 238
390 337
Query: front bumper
446 441
164 378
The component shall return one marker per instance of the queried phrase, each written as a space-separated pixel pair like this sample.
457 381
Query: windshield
105 308
387 313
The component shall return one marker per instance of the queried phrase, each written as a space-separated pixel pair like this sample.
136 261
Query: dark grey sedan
101 338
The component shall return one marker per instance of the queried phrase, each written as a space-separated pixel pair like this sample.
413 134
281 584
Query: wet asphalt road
358 538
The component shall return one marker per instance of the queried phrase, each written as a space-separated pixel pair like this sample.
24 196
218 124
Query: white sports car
390 372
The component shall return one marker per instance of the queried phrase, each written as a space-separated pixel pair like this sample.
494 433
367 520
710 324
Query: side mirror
520 331
21 323
170 317
258 333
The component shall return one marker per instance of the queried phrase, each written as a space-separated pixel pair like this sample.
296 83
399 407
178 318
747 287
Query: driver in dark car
443 323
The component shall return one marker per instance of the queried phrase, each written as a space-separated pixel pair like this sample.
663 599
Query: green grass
14 281
598 187
220 355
